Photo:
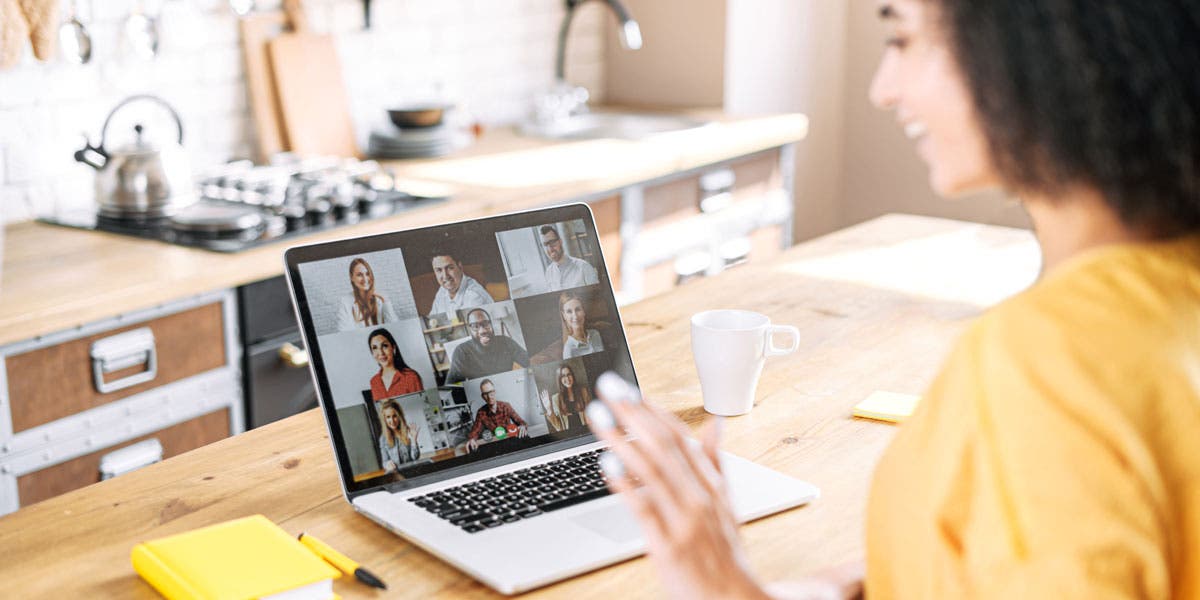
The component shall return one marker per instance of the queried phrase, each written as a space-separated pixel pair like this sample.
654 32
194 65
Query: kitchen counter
877 305
55 278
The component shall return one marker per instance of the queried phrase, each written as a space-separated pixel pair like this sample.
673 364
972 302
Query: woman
1055 454
395 377
398 443
578 340
364 307
572 396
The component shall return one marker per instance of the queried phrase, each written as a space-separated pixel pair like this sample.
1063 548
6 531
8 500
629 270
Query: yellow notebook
243 558
887 406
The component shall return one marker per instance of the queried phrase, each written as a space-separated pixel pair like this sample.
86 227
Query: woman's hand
677 492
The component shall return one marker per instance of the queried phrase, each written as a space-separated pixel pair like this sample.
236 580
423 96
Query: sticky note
887 406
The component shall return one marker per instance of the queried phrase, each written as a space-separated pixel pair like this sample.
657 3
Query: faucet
630 33
564 100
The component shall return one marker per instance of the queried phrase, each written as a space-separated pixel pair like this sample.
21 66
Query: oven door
279 382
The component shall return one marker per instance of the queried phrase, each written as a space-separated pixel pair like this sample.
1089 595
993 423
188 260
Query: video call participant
485 353
364 307
564 271
573 396
398 443
457 289
492 415
578 340
395 377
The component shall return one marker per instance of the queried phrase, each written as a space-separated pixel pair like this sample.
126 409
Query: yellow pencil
341 561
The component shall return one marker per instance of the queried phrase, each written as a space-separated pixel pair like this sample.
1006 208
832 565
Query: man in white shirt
457 290
564 271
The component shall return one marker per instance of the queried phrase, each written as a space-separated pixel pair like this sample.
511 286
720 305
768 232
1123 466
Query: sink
628 126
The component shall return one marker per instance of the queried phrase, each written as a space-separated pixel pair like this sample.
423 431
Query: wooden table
878 306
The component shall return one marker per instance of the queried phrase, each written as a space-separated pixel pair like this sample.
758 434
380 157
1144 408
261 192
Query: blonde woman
364 307
398 443
578 339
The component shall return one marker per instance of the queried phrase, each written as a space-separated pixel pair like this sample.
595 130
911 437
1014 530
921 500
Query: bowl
424 115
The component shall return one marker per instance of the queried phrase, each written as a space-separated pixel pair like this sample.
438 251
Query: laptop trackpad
614 522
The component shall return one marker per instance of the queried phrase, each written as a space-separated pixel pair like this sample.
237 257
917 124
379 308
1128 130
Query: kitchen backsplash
490 56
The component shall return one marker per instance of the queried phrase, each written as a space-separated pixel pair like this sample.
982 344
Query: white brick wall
491 56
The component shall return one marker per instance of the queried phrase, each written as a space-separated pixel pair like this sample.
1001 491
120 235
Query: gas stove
240 206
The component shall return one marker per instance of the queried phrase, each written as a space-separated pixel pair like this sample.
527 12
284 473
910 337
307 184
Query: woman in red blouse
401 379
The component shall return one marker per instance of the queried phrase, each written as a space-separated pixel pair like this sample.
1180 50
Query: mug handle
773 350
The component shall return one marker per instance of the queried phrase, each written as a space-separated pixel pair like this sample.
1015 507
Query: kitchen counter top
55 278
877 305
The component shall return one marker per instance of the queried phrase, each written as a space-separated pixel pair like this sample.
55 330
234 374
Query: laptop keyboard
519 494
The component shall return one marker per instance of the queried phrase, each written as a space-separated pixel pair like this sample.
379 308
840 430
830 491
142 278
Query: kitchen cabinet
664 232
69 399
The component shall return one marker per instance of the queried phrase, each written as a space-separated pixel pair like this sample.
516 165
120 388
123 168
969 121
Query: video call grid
440 418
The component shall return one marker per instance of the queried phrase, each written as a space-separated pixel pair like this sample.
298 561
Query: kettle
140 180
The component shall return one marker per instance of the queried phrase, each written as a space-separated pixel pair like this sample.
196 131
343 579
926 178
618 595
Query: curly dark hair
1104 93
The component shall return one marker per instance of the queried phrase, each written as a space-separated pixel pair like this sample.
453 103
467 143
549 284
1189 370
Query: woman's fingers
659 448
669 438
683 480
619 481
637 463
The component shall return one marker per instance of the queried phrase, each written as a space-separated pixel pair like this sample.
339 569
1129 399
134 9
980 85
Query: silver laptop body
478 427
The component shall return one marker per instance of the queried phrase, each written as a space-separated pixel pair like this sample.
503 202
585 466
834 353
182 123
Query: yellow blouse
1058 453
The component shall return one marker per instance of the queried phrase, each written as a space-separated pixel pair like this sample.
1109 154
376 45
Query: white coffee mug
730 348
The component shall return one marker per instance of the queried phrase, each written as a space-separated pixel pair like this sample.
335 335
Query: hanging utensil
74 39
141 32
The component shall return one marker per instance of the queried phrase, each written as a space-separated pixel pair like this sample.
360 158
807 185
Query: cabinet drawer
85 470
54 382
756 177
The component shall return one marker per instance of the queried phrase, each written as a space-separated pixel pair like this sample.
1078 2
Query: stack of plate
423 142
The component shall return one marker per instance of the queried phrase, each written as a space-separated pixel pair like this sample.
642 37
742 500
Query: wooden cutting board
257 30
312 93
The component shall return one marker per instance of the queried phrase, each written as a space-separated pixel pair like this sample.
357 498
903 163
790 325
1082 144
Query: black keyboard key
489 523
554 504
511 518
471 528
468 518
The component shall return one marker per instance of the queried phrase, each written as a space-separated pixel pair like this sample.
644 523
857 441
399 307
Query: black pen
341 561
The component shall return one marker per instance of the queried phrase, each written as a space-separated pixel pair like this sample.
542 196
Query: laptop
453 365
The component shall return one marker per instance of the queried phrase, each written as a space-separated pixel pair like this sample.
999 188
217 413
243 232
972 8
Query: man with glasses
494 420
486 353
564 271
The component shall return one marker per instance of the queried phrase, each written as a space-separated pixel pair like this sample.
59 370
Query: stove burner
218 220
247 206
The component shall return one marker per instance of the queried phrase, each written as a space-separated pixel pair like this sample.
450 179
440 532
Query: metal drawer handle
123 351
293 356
130 458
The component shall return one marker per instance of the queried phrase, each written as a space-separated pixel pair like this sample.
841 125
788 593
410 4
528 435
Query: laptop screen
454 348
